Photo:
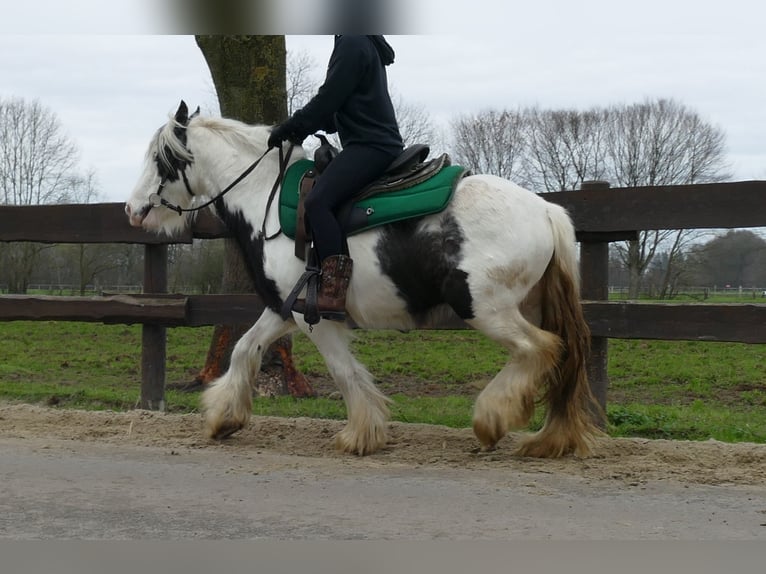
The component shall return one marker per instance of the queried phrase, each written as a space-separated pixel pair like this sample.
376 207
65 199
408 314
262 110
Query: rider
354 102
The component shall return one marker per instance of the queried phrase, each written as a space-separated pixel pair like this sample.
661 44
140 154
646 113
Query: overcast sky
112 91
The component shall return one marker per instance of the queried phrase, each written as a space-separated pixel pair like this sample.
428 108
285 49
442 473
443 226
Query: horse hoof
489 432
347 443
226 431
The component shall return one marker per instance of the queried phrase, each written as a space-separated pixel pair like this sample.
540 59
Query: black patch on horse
168 165
423 264
252 249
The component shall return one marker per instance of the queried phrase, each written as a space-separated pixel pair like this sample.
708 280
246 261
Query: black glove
278 134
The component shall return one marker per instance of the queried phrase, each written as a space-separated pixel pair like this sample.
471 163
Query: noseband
157 200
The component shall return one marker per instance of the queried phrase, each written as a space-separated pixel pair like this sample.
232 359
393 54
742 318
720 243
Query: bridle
156 199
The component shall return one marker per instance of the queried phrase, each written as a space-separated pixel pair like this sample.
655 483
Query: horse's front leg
366 407
228 403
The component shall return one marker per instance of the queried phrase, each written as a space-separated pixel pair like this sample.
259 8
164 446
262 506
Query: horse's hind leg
366 407
508 401
227 404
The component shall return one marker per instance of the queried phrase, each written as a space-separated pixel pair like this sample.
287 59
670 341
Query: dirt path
104 475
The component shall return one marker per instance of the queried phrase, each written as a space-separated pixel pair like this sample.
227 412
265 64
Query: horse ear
182 115
195 114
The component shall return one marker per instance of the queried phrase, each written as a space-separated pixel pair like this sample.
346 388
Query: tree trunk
669 277
249 77
634 270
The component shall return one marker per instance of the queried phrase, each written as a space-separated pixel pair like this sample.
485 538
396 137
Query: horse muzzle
136 216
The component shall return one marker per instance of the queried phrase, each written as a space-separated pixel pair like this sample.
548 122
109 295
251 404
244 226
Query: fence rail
601 215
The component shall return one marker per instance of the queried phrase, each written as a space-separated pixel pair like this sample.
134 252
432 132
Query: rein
157 200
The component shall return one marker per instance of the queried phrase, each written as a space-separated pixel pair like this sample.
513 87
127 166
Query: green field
658 389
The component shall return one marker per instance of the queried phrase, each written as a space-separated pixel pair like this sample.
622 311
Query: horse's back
503 221
499 192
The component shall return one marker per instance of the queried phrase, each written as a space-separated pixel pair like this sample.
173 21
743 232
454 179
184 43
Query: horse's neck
221 162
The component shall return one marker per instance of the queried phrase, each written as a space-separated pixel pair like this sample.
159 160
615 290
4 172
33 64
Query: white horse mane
168 145
236 133
233 132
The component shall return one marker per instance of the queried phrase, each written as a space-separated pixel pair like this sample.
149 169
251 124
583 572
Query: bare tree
80 188
564 148
37 166
490 141
90 260
546 150
415 124
660 142
301 83
36 157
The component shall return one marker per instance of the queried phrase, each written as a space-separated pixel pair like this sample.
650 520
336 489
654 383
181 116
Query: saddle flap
301 228
414 154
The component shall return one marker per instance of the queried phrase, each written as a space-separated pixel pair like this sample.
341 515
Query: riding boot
333 284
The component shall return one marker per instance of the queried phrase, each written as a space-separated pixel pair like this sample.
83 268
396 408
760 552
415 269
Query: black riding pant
353 168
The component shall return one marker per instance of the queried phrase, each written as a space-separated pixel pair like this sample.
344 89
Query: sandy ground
68 474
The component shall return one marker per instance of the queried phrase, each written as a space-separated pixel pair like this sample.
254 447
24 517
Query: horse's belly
373 301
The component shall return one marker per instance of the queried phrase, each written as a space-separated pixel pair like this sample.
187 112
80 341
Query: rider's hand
278 134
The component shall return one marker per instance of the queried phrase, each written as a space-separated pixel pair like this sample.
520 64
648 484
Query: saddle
410 187
410 174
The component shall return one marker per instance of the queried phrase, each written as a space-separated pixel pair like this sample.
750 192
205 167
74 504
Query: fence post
153 337
594 273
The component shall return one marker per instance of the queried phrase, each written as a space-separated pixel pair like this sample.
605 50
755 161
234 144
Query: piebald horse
498 256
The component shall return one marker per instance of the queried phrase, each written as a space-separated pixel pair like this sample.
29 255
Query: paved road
57 489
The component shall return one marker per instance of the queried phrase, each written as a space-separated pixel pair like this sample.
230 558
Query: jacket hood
385 51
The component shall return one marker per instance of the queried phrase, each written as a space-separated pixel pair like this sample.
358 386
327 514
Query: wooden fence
601 215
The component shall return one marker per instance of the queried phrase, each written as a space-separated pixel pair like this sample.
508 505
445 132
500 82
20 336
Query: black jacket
354 98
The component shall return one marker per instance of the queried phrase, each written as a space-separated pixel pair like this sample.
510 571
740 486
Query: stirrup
309 279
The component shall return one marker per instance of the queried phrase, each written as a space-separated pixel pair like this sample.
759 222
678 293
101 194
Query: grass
658 389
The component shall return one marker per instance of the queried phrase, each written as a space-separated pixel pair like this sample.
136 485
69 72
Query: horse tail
569 425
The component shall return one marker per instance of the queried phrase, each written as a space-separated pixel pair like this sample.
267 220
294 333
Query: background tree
660 142
301 81
736 258
90 261
564 147
36 157
249 77
197 267
37 166
490 141
415 123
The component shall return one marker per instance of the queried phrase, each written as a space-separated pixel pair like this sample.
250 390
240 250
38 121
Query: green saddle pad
430 196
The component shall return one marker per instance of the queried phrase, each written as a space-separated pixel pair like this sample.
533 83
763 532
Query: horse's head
167 176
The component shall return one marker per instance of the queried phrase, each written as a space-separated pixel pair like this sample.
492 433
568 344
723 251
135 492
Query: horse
498 256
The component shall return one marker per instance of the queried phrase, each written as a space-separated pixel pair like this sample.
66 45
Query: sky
113 81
